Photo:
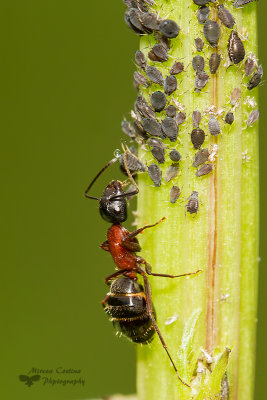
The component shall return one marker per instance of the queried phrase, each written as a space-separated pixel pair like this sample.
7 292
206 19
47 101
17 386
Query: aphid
253 117
143 108
158 101
175 155
225 387
140 79
130 25
212 32
214 62
235 96
140 130
169 28
154 75
152 126
133 17
236 50
229 118
192 205
155 174
174 194
157 150
136 4
158 53
197 138
198 63
180 118
201 80
172 172
199 44
214 126
150 21
133 163
170 128
203 14
165 42
196 118
202 2
128 129
225 16
177 68
249 65
240 3
140 59
171 111
200 157
204 170
256 78
170 84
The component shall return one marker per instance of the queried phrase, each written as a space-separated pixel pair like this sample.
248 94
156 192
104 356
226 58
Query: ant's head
112 204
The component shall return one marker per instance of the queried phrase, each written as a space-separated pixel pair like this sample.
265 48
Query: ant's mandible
128 304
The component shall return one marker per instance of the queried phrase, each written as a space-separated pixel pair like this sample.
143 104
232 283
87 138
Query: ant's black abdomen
126 306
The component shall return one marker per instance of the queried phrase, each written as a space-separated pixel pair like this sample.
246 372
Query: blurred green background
65 84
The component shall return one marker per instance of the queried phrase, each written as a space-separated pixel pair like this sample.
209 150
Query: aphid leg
112 276
105 245
131 235
154 323
148 270
97 176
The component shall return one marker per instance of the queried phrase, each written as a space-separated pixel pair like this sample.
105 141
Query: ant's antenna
97 176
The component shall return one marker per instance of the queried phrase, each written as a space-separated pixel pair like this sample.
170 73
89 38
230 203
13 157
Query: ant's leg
112 276
131 235
154 323
148 270
105 245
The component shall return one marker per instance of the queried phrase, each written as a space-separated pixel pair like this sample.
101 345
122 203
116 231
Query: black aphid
169 28
197 137
155 142
236 50
192 205
240 3
171 111
177 68
203 14
174 194
152 126
150 21
201 80
140 79
214 126
175 155
136 4
157 150
172 172
200 157
158 53
214 62
154 75
142 108
229 118
196 118
180 118
170 128
128 129
204 170
133 163
155 174
253 117
202 2
249 66
140 59
199 44
140 130
235 96
225 16
256 78
158 101
198 63
132 18
212 32
170 84
165 42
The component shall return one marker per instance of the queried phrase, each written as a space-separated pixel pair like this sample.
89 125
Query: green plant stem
222 239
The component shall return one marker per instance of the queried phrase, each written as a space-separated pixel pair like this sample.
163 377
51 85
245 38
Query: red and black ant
128 304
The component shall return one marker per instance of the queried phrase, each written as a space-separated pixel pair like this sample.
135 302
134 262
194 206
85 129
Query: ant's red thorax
123 258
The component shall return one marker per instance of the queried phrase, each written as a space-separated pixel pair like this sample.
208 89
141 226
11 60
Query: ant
129 305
